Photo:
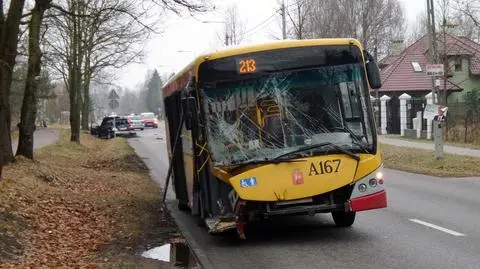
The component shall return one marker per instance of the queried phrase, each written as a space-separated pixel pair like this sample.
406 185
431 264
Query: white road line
445 230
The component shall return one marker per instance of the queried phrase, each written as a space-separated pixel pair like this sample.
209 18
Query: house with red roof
406 87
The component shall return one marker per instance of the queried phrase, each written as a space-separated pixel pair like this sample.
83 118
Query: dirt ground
81 206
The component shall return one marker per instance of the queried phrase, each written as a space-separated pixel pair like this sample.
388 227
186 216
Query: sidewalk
42 138
428 146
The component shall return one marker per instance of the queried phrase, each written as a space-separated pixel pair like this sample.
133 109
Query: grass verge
424 162
81 206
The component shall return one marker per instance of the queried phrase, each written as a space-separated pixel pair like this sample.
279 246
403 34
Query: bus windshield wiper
310 147
267 161
264 161
355 139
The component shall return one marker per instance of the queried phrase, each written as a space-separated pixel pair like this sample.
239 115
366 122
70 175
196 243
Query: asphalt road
42 137
429 223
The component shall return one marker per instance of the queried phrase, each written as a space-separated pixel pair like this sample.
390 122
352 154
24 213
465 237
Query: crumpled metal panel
220 224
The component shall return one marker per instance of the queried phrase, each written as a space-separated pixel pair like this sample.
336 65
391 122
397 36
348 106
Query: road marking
445 230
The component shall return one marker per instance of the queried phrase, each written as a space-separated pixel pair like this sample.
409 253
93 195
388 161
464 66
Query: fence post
419 124
383 109
429 98
403 112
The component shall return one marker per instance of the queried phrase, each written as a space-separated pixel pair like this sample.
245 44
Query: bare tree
298 13
331 18
29 104
9 31
467 14
176 6
106 34
234 27
419 29
471 9
374 22
92 36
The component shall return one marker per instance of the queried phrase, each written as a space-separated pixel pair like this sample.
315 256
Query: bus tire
343 219
183 206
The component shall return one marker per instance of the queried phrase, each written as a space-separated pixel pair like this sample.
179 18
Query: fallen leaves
80 207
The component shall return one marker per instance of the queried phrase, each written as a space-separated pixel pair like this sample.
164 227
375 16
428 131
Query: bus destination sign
246 66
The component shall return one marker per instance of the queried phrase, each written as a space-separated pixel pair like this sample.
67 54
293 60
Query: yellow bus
281 128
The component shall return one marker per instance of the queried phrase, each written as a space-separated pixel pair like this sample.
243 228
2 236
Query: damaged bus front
281 131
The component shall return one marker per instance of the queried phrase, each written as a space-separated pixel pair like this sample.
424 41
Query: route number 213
247 66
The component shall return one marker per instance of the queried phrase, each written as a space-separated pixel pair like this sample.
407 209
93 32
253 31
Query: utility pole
445 62
437 122
284 20
432 36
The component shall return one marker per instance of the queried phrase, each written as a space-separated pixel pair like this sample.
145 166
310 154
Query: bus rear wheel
183 205
343 219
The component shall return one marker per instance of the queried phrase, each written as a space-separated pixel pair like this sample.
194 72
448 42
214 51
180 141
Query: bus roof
244 49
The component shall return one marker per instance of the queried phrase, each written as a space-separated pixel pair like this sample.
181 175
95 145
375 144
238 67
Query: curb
201 257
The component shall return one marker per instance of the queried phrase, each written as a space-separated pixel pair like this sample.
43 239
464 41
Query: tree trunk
75 74
85 113
74 105
29 105
74 119
9 30
86 98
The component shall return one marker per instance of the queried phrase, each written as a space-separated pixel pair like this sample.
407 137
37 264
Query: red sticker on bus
297 177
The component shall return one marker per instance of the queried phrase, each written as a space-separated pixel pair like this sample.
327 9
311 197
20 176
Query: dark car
94 129
108 130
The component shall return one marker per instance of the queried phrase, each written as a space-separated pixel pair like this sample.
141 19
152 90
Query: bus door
189 138
173 113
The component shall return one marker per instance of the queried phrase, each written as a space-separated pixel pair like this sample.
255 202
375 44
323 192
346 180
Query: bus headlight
368 192
362 187
379 177
370 184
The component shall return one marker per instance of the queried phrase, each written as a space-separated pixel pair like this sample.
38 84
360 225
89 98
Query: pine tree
154 93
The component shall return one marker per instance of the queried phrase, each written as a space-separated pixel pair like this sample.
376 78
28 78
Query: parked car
135 122
149 119
108 130
94 128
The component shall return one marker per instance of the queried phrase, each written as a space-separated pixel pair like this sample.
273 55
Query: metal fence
415 105
462 121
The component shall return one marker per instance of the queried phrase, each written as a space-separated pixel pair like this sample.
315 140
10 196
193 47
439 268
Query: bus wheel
201 217
199 207
343 219
183 206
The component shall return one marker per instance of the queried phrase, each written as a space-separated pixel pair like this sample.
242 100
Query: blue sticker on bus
248 182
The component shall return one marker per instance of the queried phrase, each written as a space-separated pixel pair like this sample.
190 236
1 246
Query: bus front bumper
367 202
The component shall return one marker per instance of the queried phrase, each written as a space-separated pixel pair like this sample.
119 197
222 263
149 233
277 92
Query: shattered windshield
261 117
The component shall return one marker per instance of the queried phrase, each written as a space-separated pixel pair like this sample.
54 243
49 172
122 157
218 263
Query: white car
135 122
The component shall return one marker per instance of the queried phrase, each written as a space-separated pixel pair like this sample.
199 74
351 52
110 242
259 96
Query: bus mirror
373 73
189 105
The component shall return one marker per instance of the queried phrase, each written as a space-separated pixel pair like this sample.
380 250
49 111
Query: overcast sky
185 37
